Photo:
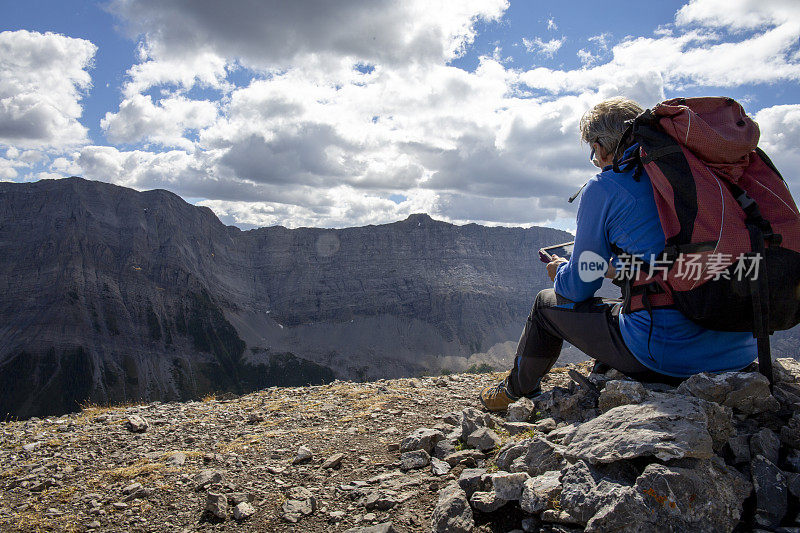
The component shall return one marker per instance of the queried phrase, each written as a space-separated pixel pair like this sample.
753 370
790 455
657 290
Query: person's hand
611 272
552 266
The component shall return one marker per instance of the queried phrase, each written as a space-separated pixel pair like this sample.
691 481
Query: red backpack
726 212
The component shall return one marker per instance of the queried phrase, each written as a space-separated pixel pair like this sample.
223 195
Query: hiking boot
499 397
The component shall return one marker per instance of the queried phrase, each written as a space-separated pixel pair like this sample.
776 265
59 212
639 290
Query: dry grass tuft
143 468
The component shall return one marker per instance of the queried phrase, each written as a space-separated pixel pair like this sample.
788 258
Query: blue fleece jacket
615 208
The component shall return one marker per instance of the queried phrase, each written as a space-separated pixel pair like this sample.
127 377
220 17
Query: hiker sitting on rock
616 212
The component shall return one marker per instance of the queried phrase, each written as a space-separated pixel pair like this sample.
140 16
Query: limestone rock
483 439
486 502
745 392
515 428
739 448
765 443
700 495
439 467
771 492
304 454
414 460
136 424
563 435
521 411
465 457
670 428
443 448
534 456
243 511
585 489
205 478
471 480
786 370
472 419
300 502
452 513
334 461
561 403
621 392
217 504
790 433
509 486
546 425
421 439
541 492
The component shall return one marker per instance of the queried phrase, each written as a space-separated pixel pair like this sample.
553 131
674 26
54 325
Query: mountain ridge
116 295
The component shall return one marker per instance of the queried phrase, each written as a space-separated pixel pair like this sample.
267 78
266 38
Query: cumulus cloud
545 48
43 78
780 129
738 14
270 34
164 123
332 125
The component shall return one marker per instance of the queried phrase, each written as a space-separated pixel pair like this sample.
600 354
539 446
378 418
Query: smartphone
562 250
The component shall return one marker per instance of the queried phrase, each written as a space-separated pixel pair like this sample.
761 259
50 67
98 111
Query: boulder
243 511
521 411
621 392
205 478
465 457
585 489
439 467
546 425
669 428
452 513
541 492
483 439
472 419
533 456
136 424
300 502
471 480
486 502
509 486
515 428
414 460
790 433
765 443
699 495
561 403
786 370
217 504
745 392
421 439
771 492
443 448
304 454
739 448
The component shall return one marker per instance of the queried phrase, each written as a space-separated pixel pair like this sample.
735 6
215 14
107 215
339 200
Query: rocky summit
594 452
111 295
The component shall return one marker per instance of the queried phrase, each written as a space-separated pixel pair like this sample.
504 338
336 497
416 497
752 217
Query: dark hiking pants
591 326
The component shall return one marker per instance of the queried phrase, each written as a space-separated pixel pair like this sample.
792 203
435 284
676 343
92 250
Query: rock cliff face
113 295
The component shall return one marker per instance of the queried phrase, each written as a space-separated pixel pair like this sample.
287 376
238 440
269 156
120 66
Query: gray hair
605 123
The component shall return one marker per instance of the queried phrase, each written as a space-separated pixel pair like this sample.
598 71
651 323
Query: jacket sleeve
591 243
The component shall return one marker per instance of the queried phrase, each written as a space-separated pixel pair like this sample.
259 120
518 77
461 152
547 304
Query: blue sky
364 112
